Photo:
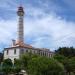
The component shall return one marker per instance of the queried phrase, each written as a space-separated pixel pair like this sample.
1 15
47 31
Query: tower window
14 51
7 52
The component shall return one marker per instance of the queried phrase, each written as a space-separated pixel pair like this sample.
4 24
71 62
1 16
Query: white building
19 47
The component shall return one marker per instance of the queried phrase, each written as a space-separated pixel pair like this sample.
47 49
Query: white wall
11 54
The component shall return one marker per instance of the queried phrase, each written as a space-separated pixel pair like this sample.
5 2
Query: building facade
16 52
19 47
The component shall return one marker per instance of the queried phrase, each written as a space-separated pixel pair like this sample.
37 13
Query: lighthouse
20 28
19 47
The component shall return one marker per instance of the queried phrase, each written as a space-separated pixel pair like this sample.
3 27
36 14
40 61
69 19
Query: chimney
13 42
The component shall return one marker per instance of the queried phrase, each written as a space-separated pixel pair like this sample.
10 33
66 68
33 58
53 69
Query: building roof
20 44
27 46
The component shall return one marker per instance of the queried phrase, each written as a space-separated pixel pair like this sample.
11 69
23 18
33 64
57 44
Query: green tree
62 59
44 66
25 58
7 66
66 51
17 66
1 57
40 65
66 56
70 65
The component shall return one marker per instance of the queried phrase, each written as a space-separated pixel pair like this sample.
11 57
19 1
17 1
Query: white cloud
7 31
47 29
60 32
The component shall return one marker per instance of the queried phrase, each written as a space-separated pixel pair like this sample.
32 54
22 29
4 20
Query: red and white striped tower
20 13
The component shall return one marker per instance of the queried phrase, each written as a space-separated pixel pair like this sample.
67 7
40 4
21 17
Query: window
14 51
7 52
39 52
22 51
45 53
14 59
26 50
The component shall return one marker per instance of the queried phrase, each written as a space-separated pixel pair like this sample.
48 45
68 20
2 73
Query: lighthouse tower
20 32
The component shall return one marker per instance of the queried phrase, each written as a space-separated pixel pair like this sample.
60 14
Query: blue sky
47 23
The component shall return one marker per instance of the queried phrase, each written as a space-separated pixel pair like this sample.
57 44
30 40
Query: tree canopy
66 51
38 65
66 56
7 66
